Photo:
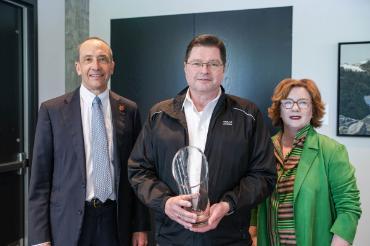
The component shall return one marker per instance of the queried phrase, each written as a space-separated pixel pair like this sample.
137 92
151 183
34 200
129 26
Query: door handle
19 164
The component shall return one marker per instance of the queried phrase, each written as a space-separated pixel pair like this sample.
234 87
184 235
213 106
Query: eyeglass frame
213 65
308 101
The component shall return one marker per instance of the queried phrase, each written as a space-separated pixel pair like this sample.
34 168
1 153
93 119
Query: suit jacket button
79 212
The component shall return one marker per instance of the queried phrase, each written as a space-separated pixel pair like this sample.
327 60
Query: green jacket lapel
309 154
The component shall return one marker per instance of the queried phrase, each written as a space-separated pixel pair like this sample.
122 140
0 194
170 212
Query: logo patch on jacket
227 122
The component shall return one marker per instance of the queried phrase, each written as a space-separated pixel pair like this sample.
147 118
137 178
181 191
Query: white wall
317 28
51 48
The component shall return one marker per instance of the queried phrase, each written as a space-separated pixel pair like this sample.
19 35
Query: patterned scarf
280 213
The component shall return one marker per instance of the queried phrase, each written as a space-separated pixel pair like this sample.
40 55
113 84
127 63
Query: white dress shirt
198 124
86 99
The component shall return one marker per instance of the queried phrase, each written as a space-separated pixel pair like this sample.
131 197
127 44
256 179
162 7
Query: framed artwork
353 114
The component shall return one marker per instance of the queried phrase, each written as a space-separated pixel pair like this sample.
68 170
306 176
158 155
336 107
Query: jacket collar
309 154
178 102
176 110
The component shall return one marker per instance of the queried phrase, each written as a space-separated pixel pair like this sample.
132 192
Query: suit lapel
72 118
309 154
118 121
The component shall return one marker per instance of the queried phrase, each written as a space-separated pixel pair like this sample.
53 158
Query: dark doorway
18 97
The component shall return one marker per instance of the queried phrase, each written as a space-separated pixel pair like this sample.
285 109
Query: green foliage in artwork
366 66
353 87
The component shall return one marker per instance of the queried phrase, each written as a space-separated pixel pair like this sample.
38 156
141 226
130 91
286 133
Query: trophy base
202 215
200 224
202 218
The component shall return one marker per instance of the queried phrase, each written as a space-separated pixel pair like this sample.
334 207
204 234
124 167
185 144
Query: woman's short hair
282 91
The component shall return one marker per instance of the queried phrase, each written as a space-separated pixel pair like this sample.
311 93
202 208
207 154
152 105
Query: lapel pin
121 107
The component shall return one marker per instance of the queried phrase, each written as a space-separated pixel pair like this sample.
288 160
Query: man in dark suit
79 192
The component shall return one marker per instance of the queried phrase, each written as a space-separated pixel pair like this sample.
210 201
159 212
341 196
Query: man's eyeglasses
301 103
213 65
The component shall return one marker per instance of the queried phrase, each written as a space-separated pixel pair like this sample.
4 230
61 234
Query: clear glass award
190 170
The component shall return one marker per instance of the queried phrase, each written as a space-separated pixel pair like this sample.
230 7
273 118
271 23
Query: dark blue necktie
100 153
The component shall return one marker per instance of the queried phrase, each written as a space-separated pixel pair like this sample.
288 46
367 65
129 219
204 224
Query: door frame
30 87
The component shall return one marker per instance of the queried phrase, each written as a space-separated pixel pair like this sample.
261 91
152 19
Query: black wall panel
149 57
259 50
149 53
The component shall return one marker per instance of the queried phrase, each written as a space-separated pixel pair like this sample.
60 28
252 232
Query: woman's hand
338 241
253 233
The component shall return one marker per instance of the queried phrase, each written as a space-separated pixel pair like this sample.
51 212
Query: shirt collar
210 105
88 96
299 137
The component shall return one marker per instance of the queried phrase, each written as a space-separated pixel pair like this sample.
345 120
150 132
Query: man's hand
217 212
175 209
140 238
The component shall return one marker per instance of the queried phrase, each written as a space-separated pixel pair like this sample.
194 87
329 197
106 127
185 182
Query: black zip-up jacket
241 167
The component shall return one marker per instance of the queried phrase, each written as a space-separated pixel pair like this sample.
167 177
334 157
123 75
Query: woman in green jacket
316 200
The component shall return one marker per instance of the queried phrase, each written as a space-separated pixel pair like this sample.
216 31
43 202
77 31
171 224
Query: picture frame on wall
353 114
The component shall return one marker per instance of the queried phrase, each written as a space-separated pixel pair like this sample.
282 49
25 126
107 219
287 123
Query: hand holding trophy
190 170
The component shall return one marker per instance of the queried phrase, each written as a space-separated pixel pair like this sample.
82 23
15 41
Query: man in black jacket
229 130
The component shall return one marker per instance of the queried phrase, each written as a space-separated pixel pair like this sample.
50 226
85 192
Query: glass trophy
190 170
